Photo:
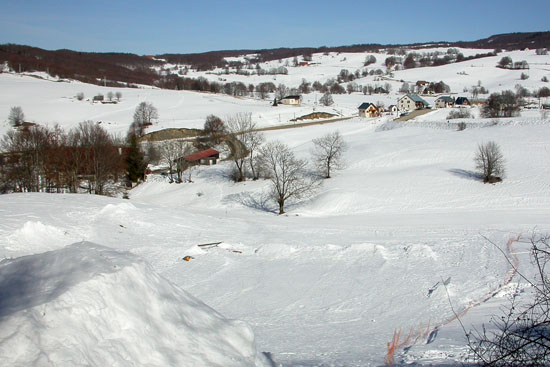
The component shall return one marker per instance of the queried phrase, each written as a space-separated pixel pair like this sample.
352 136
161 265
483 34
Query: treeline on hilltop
111 69
128 70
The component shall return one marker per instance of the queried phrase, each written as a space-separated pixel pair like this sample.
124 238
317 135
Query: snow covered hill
326 284
49 102
89 305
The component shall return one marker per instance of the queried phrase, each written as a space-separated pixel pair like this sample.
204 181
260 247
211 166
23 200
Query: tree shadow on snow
257 201
468 175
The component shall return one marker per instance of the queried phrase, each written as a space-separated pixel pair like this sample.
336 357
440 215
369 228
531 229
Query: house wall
208 161
406 104
372 112
442 104
290 101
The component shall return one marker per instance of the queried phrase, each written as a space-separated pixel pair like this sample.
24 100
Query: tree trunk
281 206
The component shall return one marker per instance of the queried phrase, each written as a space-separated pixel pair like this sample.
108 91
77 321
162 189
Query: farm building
206 157
368 110
291 100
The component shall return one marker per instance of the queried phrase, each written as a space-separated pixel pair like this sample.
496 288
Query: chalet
291 100
368 110
392 109
206 157
380 90
444 102
478 102
421 86
411 102
462 101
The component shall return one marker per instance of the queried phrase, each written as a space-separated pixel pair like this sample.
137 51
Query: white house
368 110
444 102
291 100
411 102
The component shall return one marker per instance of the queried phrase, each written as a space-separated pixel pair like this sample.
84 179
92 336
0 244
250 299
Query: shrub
326 99
80 96
369 60
459 114
16 116
461 126
524 76
505 62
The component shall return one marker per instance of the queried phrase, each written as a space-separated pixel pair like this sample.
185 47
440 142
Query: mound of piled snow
86 304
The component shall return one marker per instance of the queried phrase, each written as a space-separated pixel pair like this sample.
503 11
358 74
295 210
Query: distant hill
126 70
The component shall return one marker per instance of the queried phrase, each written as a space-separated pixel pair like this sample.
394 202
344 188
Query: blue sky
163 26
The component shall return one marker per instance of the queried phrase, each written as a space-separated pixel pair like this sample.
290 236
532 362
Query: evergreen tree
135 163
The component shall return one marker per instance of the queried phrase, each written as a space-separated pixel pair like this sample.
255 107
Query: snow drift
87 304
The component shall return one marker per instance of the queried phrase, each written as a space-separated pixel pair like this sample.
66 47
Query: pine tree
135 163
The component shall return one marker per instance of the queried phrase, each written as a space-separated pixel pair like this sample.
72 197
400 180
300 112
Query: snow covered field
324 285
46 101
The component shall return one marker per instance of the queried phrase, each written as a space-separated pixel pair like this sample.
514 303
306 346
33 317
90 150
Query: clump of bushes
459 114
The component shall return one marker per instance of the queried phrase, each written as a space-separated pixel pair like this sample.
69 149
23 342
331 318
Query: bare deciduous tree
110 95
326 99
282 91
118 95
143 115
170 152
182 164
100 153
288 175
42 159
244 142
16 116
490 162
505 62
521 335
328 153
505 104
28 147
214 129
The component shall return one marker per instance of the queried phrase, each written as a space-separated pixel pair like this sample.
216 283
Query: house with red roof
206 157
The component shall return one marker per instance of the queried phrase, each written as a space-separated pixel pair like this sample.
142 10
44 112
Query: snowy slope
88 305
50 102
328 283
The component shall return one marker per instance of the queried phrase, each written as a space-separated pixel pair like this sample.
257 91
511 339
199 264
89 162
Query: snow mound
117 210
35 235
89 305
